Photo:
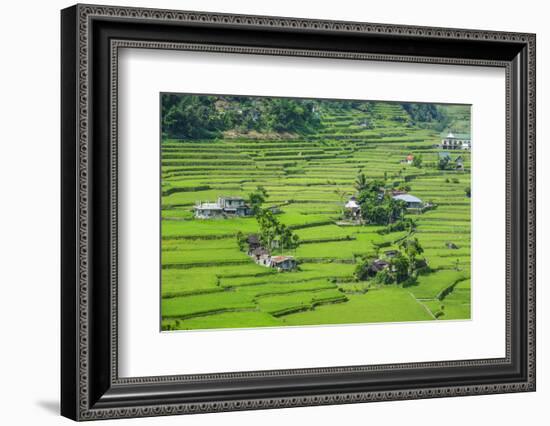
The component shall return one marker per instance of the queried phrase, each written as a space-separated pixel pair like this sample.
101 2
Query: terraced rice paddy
207 282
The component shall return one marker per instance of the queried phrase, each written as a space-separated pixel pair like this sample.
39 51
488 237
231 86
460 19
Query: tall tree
444 163
257 198
412 248
360 181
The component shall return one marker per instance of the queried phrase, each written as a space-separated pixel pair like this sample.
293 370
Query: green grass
180 307
387 305
208 283
280 305
430 286
224 320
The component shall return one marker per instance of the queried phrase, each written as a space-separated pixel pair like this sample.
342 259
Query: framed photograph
263 212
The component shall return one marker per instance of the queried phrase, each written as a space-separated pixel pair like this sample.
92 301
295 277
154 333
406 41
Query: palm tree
360 181
412 249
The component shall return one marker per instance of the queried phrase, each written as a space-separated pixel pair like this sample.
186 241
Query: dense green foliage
417 161
191 117
377 205
273 234
423 113
402 265
206 117
444 163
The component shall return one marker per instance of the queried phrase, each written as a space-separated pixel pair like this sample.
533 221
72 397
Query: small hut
353 209
283 263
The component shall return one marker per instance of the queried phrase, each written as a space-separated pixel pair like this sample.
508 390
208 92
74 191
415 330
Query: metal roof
207 206
280 259
258 251
408 198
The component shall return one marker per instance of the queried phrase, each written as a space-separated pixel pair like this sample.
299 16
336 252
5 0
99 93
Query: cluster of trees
417 161
273 234
444 163
378 207
402 267
190 117
206 117
427 115
422 112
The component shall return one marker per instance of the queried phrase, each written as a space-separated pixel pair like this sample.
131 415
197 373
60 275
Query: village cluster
412 204
237 206
263 257
233 206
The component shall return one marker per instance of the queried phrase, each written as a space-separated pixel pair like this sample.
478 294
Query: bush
444 163
362 270
426 270
241 241
384 277
417 161
401 225
410 281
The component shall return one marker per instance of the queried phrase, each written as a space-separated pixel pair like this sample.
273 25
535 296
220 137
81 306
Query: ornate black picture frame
91 36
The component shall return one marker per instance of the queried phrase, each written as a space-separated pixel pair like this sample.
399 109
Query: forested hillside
194 117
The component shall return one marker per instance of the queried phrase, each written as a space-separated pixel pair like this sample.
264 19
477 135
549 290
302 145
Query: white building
226 206
456 141
208 210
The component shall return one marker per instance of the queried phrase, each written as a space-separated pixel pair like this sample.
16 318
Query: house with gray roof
410 201
234 206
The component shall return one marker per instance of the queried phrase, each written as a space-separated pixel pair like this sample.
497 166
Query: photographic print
297 212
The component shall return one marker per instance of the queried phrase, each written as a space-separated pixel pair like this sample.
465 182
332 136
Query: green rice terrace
210 279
